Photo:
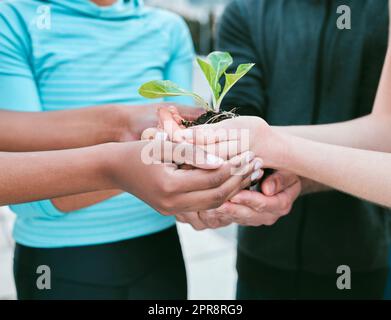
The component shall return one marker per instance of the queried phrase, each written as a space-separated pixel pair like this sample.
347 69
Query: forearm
364 133
35 176
84 200
41 131
358 172
30 131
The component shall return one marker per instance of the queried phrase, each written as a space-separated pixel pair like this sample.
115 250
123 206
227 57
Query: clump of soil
210 117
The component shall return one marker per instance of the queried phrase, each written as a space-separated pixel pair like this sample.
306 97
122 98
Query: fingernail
211 159
255 175
161 136
270 187
258 165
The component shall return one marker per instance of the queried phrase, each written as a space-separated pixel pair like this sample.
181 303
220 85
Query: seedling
214 67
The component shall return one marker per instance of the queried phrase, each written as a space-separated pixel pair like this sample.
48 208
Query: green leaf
231 79
165 88
213 68
220 62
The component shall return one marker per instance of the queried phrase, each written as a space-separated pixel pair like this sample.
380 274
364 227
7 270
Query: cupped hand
249 133
158 180
254 208
208 219
251 208
136 119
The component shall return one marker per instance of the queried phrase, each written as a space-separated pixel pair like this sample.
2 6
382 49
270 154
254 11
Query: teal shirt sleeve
18 90
180 67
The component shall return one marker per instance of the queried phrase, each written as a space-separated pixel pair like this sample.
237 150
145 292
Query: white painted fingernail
161 135
255 175
258 165
211 159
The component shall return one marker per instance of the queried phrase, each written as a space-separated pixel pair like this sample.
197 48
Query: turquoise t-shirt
65 54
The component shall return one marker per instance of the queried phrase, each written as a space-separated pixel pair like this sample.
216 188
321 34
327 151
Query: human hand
201 220
171 190
249 133
254 208
134 120
251 208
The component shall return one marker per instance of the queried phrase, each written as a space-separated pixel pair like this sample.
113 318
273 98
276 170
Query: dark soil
209 118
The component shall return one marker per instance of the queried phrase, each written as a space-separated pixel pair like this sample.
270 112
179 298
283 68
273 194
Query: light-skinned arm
358 172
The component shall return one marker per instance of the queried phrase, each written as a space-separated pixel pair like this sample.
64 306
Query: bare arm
363 173
364 133
359 172
35 176
41 131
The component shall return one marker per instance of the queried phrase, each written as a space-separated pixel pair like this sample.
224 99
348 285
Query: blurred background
209 255
201 17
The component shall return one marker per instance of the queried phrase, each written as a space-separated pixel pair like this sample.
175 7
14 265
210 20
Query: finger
213 198
189 154
212 219
238 213
280 204
226 149
194 220
169 120
189 113
195 179
254 174
176 116
149 134
277 182
180 218
225 220
256 201
245 216
210 133
247 182
168 152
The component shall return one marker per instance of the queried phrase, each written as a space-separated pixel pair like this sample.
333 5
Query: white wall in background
7 287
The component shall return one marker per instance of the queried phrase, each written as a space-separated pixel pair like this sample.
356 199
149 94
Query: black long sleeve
308 71
234 36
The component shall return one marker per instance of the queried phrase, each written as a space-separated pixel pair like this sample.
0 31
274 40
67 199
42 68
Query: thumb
278 182
189 113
